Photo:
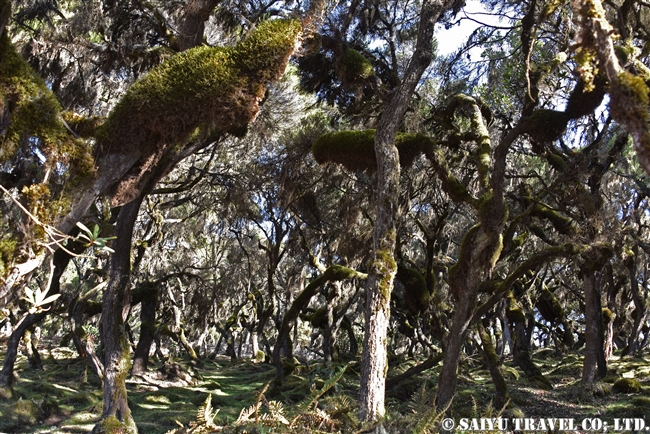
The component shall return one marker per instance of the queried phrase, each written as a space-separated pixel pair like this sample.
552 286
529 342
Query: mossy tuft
353 68
626 385
197 91
355 150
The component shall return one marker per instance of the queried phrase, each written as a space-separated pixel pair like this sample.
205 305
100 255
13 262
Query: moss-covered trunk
492 360
116 417
457 335
383 269
334 273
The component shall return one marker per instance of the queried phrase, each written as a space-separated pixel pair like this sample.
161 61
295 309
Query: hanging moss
355 150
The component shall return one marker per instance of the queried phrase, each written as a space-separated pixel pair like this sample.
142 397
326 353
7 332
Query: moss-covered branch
628 93
192 93
355 150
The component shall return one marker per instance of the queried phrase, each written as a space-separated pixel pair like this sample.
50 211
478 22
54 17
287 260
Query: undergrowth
236 397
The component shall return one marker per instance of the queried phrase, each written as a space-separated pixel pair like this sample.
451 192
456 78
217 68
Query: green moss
561 223
641 401
514 313
25 412
353 68
205 87
627 385
520 239
384 265
339 272
7 251
112 425
318 317
556 161
355 150
631 106
607 316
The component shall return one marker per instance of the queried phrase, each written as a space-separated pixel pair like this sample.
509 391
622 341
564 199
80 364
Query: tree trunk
383 268
594 366
7 373
31 348
116 417
190 32
639 312
147 330
492 360
457 335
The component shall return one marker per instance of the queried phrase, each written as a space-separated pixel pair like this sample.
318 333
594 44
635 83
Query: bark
347 326
5 14
190 32
639 312
115 306
457 335
592 317
383 268
147 330
7 374
523 325
492 360
31 348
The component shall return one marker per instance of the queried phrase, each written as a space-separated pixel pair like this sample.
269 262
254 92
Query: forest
256 216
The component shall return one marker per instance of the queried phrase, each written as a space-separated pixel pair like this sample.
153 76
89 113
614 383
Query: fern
252 414
307 404
204 423
422 400
206 414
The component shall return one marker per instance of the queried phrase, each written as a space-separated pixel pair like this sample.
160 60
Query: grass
56 400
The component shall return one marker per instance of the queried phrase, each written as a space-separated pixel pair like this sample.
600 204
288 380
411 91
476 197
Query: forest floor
58 399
